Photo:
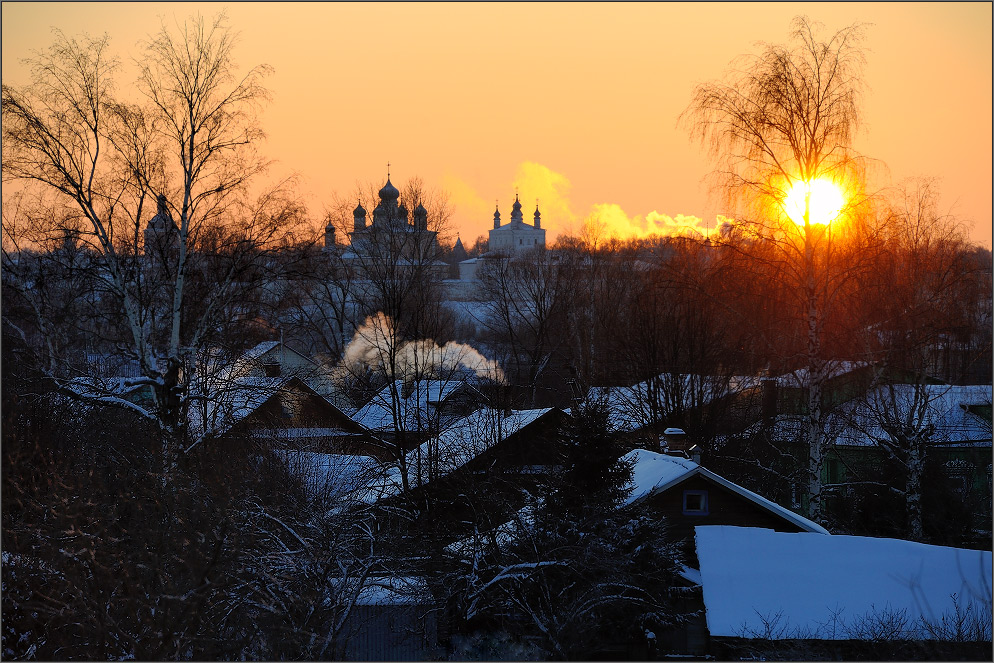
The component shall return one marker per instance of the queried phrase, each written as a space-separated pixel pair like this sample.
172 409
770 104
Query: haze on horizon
575 105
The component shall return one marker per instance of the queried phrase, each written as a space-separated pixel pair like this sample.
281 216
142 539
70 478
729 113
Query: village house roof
215 412
331 475
654 473
628 407
956 414
416 405
456 446
758 583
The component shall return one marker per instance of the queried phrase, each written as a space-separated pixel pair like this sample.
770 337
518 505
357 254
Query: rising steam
375 342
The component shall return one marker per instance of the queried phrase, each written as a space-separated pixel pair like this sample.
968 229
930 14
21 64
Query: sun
826 201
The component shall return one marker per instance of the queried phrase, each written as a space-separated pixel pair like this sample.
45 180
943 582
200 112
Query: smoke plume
375 342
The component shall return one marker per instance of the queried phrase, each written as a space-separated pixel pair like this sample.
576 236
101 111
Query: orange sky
576 104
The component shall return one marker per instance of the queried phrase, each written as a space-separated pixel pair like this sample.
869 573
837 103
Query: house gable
295 415
719 505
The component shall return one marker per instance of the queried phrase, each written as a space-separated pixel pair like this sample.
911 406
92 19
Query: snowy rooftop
457 445
654 472
332 475
219 410
760 583
944 407
833 369
416 404
630 406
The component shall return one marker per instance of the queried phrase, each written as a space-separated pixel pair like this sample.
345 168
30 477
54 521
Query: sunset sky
575 104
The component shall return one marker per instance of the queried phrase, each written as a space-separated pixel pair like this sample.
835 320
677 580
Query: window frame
705 503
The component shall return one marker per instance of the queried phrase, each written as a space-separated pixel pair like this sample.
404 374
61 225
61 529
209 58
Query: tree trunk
913 491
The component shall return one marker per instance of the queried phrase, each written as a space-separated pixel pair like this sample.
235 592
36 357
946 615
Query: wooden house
481 461
282 411
685 494
406 413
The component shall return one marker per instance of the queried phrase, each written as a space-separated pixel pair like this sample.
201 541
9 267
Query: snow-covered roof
758 583
415 412
942 407
260 349
629 407
215 413
458 444
833 369
652 473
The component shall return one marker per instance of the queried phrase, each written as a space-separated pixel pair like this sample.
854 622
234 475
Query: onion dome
538 218
496 218
359 210
516 210
389 192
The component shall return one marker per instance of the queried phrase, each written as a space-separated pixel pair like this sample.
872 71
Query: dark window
695 502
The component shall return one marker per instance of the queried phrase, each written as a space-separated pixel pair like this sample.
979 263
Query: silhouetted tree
786 116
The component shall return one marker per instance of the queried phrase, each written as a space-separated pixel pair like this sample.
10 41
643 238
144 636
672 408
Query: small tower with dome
161 233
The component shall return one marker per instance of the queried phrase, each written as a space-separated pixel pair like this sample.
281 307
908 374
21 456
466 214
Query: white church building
507 240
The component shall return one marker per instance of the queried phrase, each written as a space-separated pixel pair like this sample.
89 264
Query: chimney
675 439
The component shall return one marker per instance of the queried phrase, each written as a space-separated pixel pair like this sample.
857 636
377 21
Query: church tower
161 233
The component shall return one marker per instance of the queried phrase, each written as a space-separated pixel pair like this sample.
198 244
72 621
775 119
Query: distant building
513 238
395 233
161 233
516 236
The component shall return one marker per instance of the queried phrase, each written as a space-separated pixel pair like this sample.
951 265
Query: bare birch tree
186 154
922 305
789 115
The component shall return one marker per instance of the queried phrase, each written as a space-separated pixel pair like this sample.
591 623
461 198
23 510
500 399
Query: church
511 239
516 236
395 233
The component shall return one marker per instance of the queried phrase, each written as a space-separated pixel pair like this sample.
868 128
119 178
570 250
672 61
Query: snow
260 349
458 444
857 424
946 411
221 408
630 406
823 587
654 472
337 473
833 369
414 412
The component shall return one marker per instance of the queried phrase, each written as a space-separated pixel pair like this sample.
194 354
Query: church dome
389 191
516 211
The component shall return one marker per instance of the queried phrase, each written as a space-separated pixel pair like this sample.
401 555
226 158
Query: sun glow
825 202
